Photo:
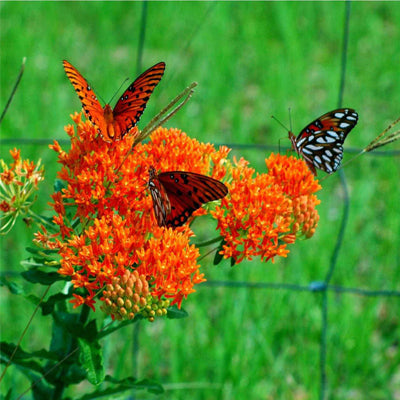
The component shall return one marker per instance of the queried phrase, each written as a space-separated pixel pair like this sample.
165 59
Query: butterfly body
177 194
114 124
321 142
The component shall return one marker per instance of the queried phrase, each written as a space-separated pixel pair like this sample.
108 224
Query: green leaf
131 383
8 396
35 275
59 185
218 257
70 323
38 250
91 355
12 287
175 313
49 305
40 389
30 362
7 349
33 263
120 386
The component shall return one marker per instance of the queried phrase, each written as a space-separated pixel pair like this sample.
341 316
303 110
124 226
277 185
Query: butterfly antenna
112 98
279 122
290 119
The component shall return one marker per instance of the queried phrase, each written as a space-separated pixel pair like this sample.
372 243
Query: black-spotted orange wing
91 106
177 194
132 103
115 124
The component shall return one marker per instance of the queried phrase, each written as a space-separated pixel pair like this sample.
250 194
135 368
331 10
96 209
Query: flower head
265 212
117 234
110 244
18 183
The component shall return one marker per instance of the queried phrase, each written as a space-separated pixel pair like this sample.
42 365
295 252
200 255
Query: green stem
39 218
24 332
208 252
72 348
14 89
208 242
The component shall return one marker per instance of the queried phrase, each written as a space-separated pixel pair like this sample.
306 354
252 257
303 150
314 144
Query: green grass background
251 60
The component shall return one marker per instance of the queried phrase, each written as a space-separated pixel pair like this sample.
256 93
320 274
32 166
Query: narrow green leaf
175 313
21 358
131 383
7 349
59 185
35 275
91 358
32 263
49 305
9 396
122 386
218 257
12 287
69 322
38 250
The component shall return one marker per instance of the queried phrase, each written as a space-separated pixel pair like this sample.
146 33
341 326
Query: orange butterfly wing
132 103
115 124
177 194
91 106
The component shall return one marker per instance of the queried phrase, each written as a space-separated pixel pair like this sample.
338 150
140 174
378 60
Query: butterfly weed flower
18 184
109 239
265 212
106 226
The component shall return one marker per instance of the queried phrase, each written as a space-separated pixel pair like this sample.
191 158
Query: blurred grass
251 60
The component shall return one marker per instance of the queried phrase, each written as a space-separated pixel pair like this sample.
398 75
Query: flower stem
24 332
206 254
208 242
21 72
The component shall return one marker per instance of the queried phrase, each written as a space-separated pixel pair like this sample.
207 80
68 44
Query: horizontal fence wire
316 286
236 146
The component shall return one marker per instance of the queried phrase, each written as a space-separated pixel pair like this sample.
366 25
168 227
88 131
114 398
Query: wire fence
320 288
324 287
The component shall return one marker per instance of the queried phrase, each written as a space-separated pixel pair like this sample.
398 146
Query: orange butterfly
115 124
177 194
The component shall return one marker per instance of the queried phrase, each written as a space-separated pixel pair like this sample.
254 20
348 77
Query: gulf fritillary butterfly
115 124
321 142
177 194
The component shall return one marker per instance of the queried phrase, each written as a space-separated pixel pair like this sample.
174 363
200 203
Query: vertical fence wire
343 223
141 38
139 59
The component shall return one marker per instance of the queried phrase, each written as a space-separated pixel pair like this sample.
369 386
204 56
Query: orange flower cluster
112 229
18 183
266 212
108 238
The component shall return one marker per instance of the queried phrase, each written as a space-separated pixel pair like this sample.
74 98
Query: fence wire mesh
317 288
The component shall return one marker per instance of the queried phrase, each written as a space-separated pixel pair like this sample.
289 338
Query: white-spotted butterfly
321 142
